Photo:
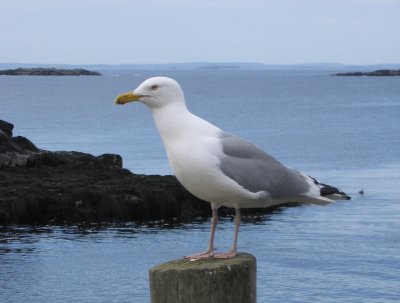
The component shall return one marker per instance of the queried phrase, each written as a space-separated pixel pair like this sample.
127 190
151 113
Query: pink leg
232 253
210 251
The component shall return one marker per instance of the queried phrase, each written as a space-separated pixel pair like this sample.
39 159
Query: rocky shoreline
48 72
39 187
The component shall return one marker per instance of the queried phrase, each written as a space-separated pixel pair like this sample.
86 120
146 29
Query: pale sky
173 31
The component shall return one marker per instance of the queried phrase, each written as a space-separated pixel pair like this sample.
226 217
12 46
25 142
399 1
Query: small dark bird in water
361 192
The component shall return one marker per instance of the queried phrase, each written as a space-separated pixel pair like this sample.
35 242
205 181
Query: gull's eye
154 87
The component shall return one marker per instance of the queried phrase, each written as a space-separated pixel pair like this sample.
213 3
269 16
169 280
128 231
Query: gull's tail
330 191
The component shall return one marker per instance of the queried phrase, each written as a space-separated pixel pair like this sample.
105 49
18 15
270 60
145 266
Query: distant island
377 73
48 72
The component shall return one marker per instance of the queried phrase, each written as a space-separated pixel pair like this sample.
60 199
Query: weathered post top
205 281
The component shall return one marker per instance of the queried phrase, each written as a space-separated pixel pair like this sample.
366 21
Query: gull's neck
174 122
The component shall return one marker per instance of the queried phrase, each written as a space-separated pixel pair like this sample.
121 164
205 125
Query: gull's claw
203 255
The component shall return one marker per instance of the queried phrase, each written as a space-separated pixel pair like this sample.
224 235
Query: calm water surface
344 131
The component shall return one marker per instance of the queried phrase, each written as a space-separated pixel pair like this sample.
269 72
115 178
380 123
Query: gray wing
257 171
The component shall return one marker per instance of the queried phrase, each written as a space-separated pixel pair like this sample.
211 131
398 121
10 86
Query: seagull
219 167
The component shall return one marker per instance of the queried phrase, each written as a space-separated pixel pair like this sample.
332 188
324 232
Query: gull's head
154 92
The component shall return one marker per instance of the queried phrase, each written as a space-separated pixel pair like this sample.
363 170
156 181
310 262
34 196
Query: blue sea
344 131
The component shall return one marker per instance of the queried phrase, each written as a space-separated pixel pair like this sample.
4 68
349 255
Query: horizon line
209 62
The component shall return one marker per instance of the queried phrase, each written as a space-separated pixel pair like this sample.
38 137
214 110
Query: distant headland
48 72
377 73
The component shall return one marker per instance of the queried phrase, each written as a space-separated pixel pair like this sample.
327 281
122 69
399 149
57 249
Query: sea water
344 131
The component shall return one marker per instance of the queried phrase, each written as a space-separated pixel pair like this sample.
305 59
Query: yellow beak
126 98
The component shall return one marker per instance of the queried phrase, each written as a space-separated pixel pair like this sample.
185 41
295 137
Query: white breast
194 151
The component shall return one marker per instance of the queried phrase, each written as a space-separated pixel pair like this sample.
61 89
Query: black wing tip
327 190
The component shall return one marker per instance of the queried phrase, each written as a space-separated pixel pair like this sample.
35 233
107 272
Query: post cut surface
205 281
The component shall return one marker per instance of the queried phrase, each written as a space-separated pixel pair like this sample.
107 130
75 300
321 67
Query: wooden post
205 281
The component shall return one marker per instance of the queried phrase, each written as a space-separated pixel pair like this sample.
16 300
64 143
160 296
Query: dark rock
14 151
6 128
69 187
377 73
48 72
23 144
111 160
41 187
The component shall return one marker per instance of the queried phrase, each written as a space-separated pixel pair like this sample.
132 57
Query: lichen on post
205 280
